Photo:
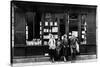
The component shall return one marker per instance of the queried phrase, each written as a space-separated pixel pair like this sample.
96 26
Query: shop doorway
62 27
73 25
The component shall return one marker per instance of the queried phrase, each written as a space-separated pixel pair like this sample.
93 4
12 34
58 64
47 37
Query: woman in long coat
52 47
58 50
74 46
65 47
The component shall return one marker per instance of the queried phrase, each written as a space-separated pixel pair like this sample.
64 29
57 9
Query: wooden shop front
32 22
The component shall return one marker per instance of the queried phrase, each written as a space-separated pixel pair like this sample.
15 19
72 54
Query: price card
82 36
46 23
83 32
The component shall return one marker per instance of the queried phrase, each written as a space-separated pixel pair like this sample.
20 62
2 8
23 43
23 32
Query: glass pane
83 29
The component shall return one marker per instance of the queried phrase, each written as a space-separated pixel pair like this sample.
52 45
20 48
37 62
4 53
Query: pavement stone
45 61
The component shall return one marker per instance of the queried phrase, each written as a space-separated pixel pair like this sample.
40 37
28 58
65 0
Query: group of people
63 48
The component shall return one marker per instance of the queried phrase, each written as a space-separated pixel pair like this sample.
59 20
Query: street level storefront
32 22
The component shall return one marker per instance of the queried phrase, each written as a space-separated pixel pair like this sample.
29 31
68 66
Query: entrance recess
73 24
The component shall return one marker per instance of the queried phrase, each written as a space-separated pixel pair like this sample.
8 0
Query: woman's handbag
77 47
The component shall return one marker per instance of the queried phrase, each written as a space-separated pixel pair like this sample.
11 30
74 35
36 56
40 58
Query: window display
45 30
49 27
34 42
83 29
50 30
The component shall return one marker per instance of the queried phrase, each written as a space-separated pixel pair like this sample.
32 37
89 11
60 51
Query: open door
73 24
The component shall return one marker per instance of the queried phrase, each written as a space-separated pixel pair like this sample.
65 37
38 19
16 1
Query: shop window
33 29
50 27
83 29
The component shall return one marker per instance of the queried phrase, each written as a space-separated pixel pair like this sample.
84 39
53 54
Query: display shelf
73 19
49 26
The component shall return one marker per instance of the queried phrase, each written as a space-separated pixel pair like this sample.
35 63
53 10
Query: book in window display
46 36
83 32
84 29
83 36
54 29
50 30
46 30
45 43
34 42
75 33
46 23
70 33
55 23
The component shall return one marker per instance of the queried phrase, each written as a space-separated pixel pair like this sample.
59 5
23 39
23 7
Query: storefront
32 22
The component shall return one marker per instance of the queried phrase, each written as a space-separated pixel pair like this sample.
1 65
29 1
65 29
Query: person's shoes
65 59
52 60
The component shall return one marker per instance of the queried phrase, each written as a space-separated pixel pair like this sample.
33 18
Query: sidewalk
45 60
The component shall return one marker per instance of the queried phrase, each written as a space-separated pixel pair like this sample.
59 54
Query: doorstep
46 59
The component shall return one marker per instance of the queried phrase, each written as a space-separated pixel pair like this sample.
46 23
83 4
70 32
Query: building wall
91 27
